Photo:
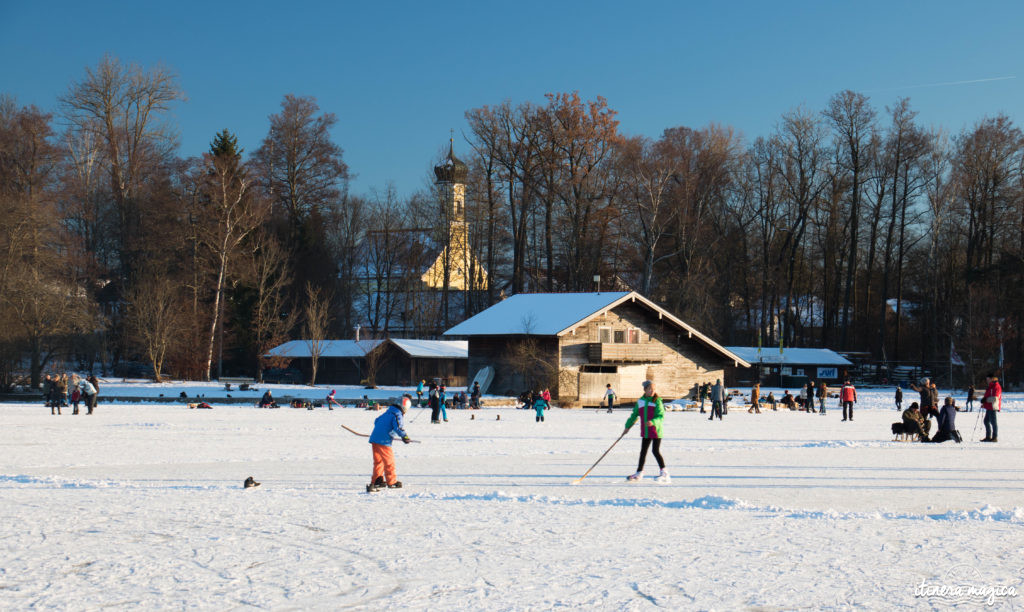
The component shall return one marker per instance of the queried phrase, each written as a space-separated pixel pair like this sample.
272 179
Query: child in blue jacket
387 426
539 405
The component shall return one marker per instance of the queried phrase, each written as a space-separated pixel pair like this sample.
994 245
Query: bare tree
373 360
120 106
577 138
302 166
266 272
317 321
852 119
646 171
39 297
155 310
228 212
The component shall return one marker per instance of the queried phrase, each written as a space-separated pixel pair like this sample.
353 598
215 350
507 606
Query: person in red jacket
992 401
848 397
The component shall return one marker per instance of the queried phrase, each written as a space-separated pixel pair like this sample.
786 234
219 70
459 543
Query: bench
242 382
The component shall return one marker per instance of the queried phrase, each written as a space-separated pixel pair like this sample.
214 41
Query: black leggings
655 450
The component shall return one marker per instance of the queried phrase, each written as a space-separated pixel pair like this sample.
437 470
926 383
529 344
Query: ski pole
580 479
975 430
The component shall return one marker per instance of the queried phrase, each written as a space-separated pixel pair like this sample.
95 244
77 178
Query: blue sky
400 75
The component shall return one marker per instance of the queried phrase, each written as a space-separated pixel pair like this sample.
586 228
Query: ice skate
395 485
637 476
663 476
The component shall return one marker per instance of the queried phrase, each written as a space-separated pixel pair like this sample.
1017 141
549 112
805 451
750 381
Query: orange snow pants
383 464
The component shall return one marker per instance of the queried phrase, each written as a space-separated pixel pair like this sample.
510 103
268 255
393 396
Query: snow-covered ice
142 507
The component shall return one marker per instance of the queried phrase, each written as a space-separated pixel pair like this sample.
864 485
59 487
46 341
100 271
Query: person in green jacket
651 412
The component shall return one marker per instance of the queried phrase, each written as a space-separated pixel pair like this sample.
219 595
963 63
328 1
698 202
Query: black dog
900 431
249 482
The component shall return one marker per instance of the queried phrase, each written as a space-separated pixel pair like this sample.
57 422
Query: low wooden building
792 367
393 361
577 343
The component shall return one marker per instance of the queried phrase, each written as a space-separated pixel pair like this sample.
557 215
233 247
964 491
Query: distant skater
539 405
609 396
651 412
755 398
88 394
474 397
331 402
717 400
94 396
971 392
76 395
899 398
435 408
992 402
822 396
848 396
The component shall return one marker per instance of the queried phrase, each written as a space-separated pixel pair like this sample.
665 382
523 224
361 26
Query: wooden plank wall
685 361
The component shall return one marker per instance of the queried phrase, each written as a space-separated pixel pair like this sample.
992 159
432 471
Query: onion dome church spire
452 169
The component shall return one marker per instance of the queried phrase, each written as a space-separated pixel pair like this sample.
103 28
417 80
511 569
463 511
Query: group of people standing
719 397
58 389
916 417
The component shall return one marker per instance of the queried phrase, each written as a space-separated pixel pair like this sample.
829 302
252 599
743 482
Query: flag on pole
759 345
1000 357
953 357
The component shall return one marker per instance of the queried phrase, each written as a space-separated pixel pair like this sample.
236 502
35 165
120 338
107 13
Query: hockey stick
350 430
417 415
580 479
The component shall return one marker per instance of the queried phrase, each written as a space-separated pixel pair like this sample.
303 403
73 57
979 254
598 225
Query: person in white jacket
89 393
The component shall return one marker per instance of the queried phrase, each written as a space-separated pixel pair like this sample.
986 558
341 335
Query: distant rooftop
536 314
427 349
555 314
790 356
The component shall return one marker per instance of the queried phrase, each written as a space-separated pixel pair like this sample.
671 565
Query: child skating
386 427
609 396
651 412
539 405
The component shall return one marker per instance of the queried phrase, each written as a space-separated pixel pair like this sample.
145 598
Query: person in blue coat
442 398
386 427
947 422
539 405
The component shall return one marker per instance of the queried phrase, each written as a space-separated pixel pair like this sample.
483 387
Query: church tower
456 261
451 180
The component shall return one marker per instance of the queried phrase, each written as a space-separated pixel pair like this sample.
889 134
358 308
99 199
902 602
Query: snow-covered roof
331 348
790 356
439 349
554 314
536 314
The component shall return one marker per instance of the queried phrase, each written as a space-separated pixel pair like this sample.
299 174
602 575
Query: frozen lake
141 506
